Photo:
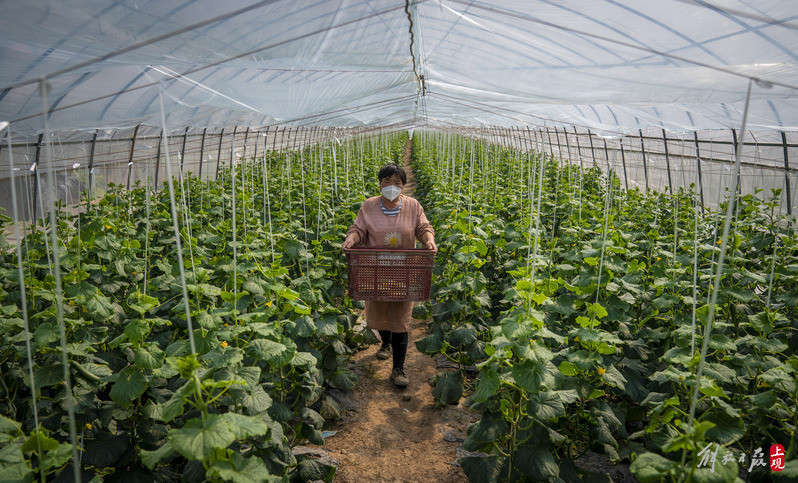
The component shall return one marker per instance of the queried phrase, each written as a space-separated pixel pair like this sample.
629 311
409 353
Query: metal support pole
667 161
183 151
158 158
551 148
698 165
91 169
623 162
244 153
579 149
219 153
232 143
35 175
592 148
130 158
645 161
786 173
607 156
202 151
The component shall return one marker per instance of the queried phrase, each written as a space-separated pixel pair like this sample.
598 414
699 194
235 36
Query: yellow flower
224 343
601 371
658 259
269 303
134 272
719 242
88 425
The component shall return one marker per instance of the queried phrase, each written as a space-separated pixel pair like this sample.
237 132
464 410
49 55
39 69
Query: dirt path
390 434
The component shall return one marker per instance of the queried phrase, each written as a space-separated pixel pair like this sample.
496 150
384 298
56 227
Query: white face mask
391 192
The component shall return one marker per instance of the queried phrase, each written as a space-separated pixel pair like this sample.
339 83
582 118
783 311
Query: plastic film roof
612 65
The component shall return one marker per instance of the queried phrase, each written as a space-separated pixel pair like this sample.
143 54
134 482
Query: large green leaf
275 353
198 439
488 430
487 385
652 468
130 384
105 449
537 462
483 469
449 388
244 470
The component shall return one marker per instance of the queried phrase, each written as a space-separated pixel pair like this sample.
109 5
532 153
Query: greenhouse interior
599 281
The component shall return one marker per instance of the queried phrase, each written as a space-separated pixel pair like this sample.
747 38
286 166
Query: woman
391 220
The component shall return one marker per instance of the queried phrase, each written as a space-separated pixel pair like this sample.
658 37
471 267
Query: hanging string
235 248
22 290
721 260
175 227
59 296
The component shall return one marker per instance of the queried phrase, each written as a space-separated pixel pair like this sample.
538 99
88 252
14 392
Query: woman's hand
429 242
351 241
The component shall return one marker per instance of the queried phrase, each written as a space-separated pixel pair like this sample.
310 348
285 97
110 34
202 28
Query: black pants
398 342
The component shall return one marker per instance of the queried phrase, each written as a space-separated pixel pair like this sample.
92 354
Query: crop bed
584 307
580 305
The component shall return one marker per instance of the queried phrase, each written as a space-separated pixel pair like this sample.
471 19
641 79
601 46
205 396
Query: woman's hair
391 169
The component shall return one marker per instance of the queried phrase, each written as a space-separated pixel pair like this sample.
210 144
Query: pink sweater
400 231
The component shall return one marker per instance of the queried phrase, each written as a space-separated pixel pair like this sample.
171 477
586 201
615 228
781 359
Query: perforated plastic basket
389 275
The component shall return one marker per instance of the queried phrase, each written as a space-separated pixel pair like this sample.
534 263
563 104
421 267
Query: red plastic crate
389 275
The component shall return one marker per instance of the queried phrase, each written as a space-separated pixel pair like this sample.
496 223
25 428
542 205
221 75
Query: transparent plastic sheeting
613 67
646 159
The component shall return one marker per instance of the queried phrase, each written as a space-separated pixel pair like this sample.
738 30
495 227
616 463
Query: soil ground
390 434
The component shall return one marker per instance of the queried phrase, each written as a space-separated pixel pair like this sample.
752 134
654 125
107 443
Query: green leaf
431 344
256 400
275 353
487 385
310 469
45 334
141 303
55 458
530 376
343 379
148 358
198 440
151 458
130 385
246 426
449 388
546 405
651 468
247 470
174 406
106 449
488 430
224 357
483 468
39 438
536 462
13 466
137 330
728 427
